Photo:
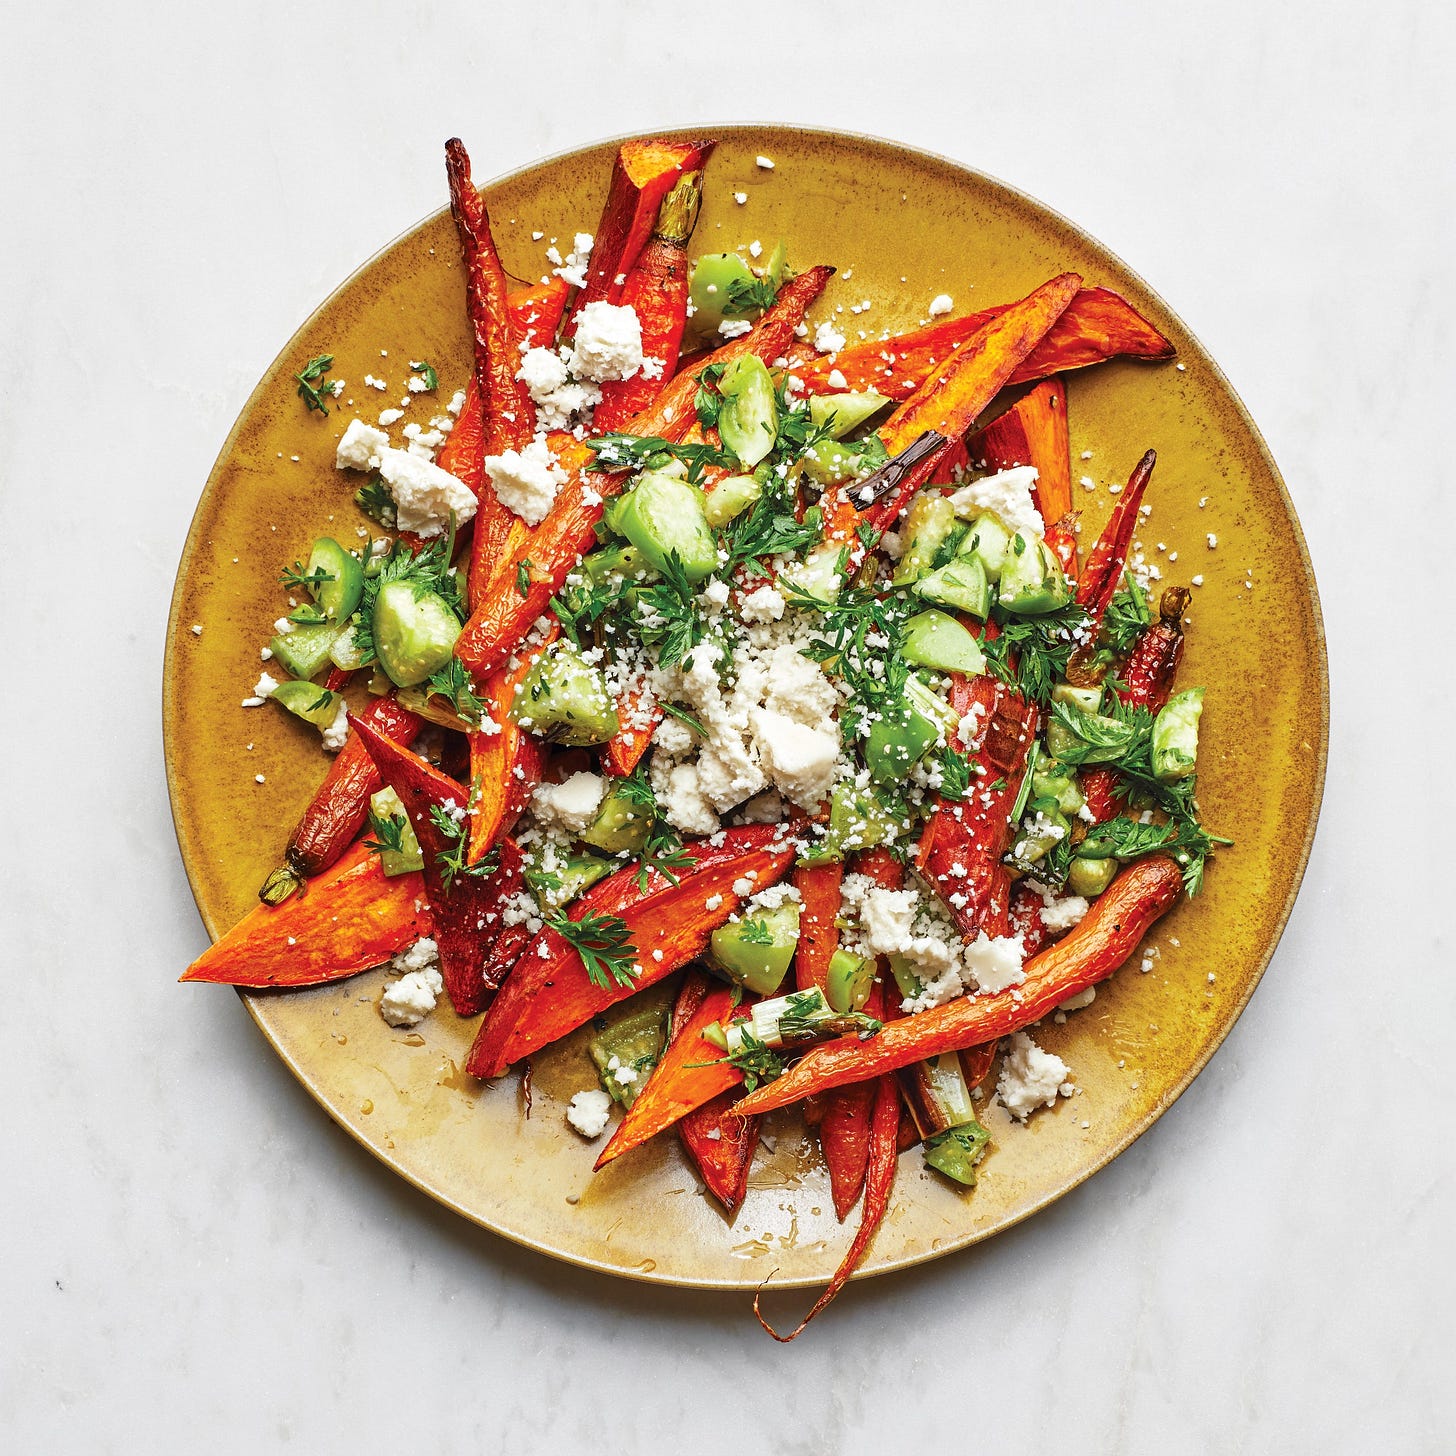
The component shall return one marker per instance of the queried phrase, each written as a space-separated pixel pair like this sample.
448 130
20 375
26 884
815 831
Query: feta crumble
589 1112
1030 1077
411 998
525 481
424 495
942 303
570 805
608 343
1006 495
360 447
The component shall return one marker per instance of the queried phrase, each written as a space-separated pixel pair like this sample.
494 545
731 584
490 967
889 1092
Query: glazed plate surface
901 226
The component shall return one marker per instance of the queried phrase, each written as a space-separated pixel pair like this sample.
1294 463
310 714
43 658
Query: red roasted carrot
952 397
688 1074
818 887
720 1143
639 715
499 619
963 863
354 916
642 174
884 1158
1145 680
550 994
535 311
1088 954
465 907
1097 325
976 1063
1034 432
1102 575
1024 920
657 291
340 804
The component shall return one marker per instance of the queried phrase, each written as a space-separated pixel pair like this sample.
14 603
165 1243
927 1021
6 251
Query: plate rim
255 1001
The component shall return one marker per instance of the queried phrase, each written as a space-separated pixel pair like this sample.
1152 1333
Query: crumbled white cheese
828 339
1006 495
1080 999
424 495
800 760
735 328
265 686
570 805
1030 1077
360 447
526 481
336 734
589 1112
608 343
573 270
560 397
996 961
763 604
407 1001
765 162
1065 913
837 380
683 802
942 303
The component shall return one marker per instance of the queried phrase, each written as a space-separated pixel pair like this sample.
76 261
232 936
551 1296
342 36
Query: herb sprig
604 943
313 385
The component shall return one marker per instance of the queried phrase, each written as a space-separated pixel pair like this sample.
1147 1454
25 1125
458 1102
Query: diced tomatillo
842 413
756 951
1090 877
1032 580
340 578
626 1050
304 651
850 980
839 462
988 541
928 524
961 584
308 701
414 632
730 497
710 288
565 698
621 824
388 810
935 640
904 732
748 419
663 515
1175 736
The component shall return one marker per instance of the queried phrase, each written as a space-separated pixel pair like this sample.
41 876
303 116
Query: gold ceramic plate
902 226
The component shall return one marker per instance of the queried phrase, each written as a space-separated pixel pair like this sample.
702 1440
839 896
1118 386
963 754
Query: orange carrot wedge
1098 325
352 917
1088 954
547 995
884 1158
678 1083
952 397
818 887
1034 432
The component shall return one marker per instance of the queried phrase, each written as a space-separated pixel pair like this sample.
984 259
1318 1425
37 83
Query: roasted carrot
1088 954
505 766
957 391
1024 920
884 1157
719 1142
1102 575
1145 680
501 618
550 993
976 1063
1097 325
818 887
353 917
1034 432
535 311
642 174
689 1073
340 804
657 291
465 906
844 1128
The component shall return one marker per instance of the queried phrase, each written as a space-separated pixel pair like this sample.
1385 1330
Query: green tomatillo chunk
336 578
565 698
933 639
414 632
755 952
1032 580
748 419
841 413
1175 736
662 516
849 981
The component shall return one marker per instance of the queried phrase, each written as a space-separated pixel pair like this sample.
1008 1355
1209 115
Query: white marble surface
195 1258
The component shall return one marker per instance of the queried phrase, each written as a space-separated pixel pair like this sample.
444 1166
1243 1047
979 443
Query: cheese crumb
1030 1077
407 1001
589 1112
570 805
765 162
608 343
424 495
360 447
942 303
1007 495
525 481
828 339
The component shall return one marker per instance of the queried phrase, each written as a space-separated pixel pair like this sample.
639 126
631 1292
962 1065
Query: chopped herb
451 858
955 774
668 617
427 570
769 527
682 714
375 500
755 932
523 579
604 943
751 295
453 682
313 385
643 452
1039 648
755 1061
708 401
427 373
1128 615
310 581
388 832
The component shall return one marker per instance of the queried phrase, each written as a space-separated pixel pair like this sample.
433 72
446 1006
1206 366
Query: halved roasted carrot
657 291
1090 953
500 619
642 174
1034 432
688 1074
1102 575
819 898
354 916
550 993
465 906
1024 919
340 804
1097 325
505 766
952 397
884 1158
536 309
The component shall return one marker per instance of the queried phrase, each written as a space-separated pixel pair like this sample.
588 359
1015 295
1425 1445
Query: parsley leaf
604 943
755 932
451 858
427 373
751 295
376 501
313 385
641 452
1128 615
